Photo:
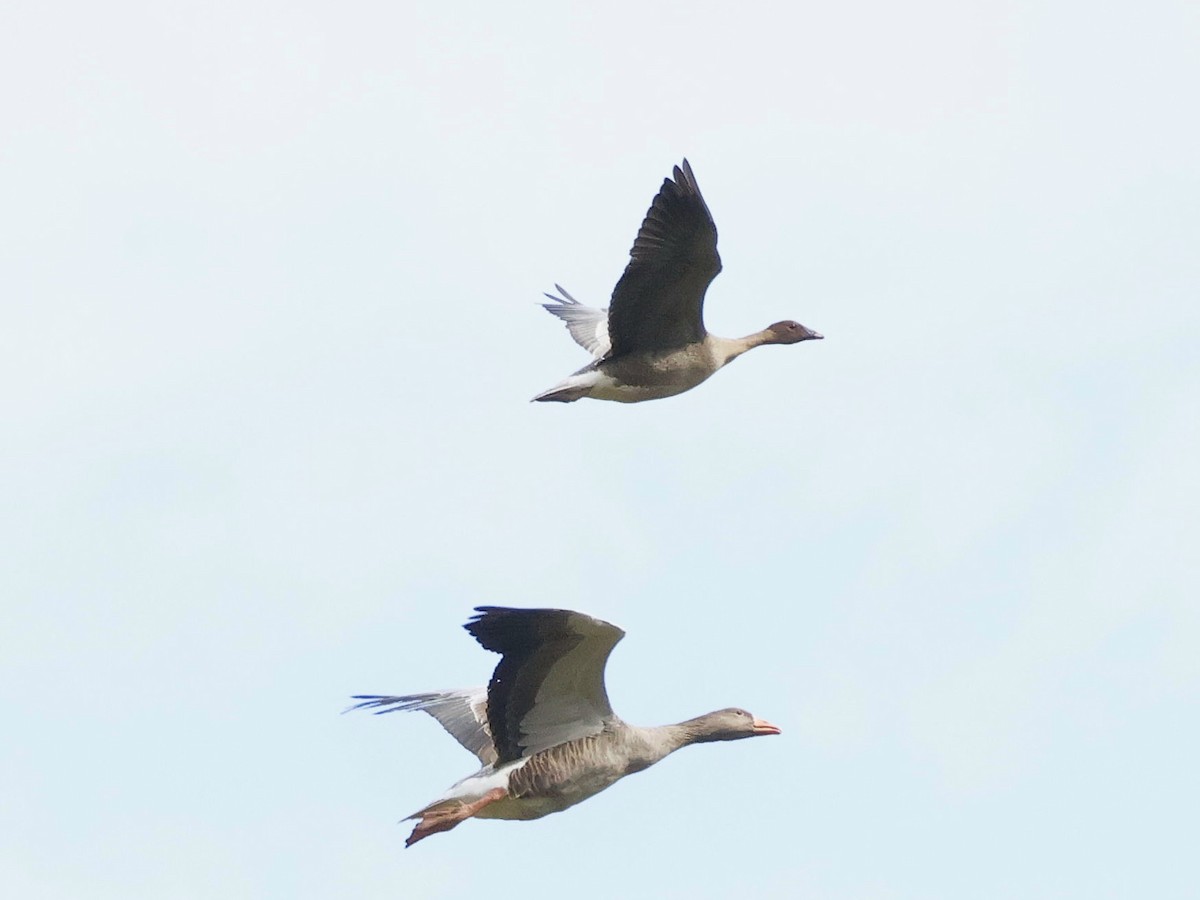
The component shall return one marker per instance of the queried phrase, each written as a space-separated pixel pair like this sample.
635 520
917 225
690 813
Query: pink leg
443 818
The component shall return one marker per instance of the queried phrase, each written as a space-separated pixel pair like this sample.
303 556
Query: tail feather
561 394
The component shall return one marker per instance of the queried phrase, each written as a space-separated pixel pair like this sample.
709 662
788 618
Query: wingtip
565 300
365 700
690 176
481 612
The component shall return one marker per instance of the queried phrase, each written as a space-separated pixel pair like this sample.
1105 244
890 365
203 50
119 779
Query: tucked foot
444 817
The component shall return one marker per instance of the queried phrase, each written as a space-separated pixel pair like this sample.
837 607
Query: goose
542 729
651 342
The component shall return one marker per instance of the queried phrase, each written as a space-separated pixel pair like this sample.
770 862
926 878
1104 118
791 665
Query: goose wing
659 302
462 713
587 325
549 685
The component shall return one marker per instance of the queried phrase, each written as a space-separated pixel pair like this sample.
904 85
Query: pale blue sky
270 281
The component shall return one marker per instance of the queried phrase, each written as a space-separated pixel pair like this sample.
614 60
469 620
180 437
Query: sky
270 281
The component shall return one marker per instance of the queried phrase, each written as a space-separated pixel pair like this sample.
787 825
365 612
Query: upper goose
651 341
542 728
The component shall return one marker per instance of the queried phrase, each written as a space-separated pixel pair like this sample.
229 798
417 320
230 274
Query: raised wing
462 713
587 325
549 685
659 302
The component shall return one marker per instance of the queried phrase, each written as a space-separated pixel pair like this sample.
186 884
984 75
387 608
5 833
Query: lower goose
543 729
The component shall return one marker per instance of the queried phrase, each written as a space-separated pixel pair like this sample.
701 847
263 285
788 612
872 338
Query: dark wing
659 302
549 686
462 713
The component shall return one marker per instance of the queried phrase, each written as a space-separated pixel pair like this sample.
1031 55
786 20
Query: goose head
789 332
731 724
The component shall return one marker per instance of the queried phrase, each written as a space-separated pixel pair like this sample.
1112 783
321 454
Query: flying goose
542 729
651 341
